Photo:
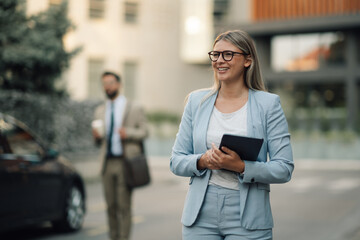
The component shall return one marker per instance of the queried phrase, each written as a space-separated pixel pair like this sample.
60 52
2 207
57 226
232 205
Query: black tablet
246 147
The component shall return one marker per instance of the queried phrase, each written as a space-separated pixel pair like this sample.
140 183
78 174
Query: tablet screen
246 147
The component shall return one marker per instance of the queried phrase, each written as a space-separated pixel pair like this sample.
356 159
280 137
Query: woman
228 197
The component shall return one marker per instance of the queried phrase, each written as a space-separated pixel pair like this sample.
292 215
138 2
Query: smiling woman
231 67
220 181
235 41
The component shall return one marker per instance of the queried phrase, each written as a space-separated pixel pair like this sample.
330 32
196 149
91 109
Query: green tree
32 53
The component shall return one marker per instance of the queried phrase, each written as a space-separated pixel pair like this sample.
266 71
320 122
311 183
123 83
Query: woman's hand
205 161
229 160
215 159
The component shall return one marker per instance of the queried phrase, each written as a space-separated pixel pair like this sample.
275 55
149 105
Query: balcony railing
269 10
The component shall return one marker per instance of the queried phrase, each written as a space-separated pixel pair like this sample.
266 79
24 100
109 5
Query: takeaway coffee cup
98 125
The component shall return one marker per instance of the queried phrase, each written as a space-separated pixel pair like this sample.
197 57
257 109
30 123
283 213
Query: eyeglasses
227 55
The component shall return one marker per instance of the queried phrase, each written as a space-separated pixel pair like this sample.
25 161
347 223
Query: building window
313 106
55 3
357 52
130 79
95 69
220 10
131 11
307 52
96 9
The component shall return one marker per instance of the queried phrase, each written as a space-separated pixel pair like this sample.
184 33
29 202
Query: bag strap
126 112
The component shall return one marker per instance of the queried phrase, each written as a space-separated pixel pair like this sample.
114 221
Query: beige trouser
118 200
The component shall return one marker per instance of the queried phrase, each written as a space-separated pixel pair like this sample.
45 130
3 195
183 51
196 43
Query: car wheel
74 211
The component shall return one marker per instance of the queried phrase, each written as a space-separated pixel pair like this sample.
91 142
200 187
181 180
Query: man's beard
111 95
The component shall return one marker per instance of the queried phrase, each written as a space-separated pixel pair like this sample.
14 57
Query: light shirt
119 108
226 123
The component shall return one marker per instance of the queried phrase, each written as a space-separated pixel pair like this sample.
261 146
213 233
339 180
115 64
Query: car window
2 145
19 140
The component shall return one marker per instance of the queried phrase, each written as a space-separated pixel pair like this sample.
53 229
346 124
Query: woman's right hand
206 161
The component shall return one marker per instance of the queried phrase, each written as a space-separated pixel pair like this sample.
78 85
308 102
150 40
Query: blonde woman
228 197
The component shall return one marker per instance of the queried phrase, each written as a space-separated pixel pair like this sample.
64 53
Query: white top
226 123
119 108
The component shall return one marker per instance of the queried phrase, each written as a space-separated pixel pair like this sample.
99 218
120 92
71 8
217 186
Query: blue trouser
219 219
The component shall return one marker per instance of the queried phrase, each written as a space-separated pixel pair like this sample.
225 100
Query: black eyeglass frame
211 53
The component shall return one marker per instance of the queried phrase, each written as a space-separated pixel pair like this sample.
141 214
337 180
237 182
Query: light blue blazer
265 119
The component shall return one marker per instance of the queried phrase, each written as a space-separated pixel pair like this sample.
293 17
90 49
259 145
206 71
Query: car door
36 182
48 186
15 184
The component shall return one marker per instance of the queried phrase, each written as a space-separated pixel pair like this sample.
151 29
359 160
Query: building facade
160 49
141 40
310 54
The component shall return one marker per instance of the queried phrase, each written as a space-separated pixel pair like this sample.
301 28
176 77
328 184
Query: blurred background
53 52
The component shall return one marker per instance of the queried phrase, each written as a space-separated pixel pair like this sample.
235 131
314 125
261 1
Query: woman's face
232 70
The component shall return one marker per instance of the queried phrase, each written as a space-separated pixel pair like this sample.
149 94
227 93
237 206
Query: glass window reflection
307 52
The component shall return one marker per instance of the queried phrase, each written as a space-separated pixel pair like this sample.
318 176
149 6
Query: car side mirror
51 154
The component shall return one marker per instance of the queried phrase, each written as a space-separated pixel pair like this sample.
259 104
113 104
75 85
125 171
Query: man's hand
122 133
96 134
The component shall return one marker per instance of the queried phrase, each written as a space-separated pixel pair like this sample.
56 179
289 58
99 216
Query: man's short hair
117 77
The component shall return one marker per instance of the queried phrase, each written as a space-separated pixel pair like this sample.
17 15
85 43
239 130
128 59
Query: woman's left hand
229 160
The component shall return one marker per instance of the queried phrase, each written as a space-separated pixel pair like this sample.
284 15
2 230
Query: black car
36 183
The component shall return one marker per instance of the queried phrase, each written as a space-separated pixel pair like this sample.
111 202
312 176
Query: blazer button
252 180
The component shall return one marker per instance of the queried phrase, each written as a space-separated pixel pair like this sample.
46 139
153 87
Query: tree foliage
32 53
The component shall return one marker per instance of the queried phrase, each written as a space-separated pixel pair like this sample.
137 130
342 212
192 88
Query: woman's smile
222 69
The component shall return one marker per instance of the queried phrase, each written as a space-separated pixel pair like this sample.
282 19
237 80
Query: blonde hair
252 76
243 41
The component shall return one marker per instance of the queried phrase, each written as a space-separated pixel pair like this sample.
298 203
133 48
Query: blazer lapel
255 121
125 114
244 187
201 126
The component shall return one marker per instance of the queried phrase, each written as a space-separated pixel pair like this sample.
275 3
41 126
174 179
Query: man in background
119 127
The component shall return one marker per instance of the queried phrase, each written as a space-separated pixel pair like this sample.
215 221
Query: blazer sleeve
183 161
136 126
279 167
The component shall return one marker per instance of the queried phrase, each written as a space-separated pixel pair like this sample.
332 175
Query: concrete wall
153 44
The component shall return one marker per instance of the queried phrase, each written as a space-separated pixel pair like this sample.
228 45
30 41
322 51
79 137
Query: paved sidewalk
320 202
